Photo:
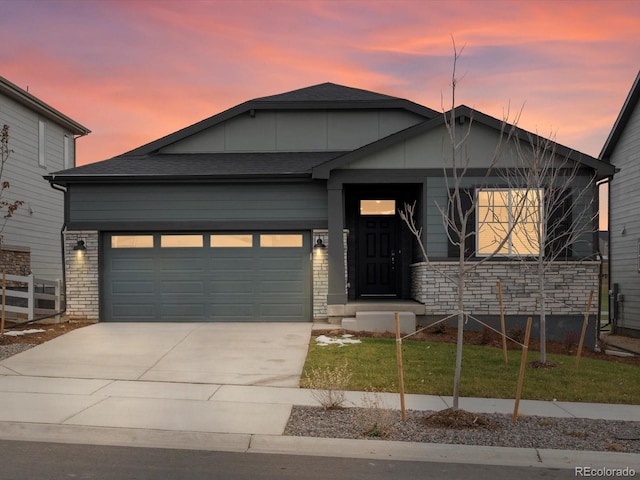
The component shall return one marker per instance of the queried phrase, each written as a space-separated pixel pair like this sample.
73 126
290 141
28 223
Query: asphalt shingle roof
327 92
203 165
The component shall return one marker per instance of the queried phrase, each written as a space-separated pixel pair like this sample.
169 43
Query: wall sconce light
80 246
319 244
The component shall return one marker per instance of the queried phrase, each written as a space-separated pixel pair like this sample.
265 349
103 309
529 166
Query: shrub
328 385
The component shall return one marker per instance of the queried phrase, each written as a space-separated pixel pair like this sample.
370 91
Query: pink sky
135 70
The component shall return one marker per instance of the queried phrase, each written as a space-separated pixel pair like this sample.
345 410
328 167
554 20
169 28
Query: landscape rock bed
528 432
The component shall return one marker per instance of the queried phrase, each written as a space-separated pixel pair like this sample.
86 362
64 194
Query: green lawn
429 368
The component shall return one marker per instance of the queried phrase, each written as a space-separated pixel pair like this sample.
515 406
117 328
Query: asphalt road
54 461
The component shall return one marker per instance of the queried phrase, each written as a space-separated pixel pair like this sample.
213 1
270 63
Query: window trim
42 143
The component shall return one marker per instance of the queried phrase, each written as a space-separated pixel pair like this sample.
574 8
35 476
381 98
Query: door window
377 207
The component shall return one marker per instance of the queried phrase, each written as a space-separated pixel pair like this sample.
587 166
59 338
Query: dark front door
377 255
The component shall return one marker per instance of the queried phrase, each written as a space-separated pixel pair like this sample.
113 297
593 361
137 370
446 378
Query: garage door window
132 241
181 241
286 240
231 241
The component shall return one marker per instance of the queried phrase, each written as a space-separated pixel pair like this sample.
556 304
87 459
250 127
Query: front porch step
381 321
352 307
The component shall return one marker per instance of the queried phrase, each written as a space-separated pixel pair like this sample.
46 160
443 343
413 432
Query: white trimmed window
42 142
511 215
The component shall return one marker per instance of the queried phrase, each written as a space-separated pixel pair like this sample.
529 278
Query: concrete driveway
268 354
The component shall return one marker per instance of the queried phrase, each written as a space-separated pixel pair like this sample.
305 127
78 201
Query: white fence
33 290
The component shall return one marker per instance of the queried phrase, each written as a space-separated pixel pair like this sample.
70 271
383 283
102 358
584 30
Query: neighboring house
218 221
622 149
42 140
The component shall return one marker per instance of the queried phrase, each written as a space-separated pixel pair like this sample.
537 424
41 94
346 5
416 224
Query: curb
323 447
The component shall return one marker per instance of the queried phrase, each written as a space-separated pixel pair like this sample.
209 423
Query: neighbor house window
66 151
42 140
181 241
281 240
132 241
510 215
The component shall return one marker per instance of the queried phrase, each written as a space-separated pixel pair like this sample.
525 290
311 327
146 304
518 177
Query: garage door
217 277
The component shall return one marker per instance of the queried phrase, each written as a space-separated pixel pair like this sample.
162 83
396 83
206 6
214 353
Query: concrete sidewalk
245 418
230 388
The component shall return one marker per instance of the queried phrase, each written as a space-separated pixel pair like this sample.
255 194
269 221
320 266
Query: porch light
319 243
80 246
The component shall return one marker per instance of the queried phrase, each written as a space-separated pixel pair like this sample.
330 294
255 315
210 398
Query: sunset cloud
133 71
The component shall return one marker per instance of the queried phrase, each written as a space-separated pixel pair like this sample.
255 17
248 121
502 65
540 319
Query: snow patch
18 333
323 340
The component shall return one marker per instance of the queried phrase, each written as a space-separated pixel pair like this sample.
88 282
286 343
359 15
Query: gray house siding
624 224
205 206
270 131
37 224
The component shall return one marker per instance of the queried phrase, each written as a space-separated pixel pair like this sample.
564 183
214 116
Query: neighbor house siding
38 222
269 131
624 222
212 206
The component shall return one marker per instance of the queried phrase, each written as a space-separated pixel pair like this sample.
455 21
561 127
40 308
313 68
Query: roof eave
25 98
65 180
620 123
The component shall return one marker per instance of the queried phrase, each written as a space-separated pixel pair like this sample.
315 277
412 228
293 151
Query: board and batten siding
317 130
217 206
37 224
624 222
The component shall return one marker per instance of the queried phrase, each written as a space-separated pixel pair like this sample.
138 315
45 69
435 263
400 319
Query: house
622 149
42 140
285 208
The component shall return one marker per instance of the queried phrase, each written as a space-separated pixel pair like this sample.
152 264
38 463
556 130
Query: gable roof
462 112
35 104
623 117
324 96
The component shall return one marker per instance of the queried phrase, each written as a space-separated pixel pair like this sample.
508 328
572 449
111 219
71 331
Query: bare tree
558 216
462 206
7 207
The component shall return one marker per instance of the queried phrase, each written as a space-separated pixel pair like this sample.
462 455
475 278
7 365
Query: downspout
64 270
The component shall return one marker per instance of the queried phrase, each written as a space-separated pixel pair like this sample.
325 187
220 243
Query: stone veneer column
83 295
320 267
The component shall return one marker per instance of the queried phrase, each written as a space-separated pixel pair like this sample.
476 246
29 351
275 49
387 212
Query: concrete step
381 321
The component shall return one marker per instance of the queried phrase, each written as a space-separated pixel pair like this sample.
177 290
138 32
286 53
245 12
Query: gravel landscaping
528 432
13 348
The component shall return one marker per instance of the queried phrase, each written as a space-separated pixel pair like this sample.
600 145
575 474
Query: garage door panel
132 264
135 311
182 286
240 287
182 310
132 288
208 283
281 287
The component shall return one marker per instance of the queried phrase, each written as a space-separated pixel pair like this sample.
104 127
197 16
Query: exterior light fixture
319 243
80 246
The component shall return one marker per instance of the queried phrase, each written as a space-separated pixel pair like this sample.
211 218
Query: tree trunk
456 378
543 315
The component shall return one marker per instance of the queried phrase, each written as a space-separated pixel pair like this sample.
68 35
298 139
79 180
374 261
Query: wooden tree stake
4 300
523 364
584 329
400 368
503 328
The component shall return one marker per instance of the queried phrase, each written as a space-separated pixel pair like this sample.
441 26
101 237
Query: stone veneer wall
568 286
320 272
15 260
83 294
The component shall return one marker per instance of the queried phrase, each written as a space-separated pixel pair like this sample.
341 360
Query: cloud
133 71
